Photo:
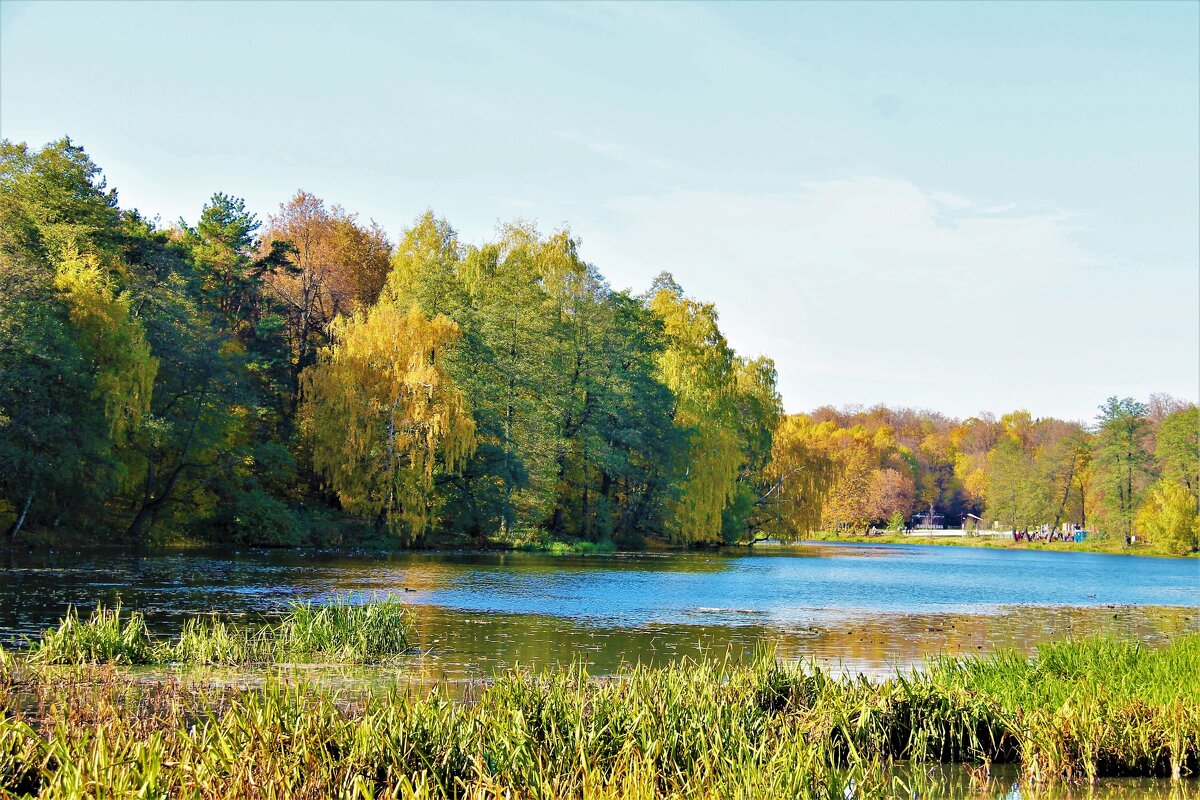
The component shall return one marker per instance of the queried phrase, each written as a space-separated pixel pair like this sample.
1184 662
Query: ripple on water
874 609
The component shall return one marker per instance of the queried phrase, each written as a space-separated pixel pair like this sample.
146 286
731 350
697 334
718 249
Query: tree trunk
11 534
1066 493
1082 504
141 524
143 520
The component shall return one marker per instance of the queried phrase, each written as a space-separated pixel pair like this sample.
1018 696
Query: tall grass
692 729
104 637
341 630
346 631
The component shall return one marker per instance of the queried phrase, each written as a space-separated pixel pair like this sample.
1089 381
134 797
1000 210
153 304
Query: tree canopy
269 381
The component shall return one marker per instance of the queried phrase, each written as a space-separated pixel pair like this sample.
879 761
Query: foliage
247 382
728 408
1168 518
383 414
1177 449
1123 459
114 341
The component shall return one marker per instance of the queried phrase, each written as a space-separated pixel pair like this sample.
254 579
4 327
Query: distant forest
306 379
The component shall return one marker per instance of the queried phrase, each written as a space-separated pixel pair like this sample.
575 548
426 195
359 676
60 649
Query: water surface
873 608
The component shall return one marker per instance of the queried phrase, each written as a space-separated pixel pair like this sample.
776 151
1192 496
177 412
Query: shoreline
586 549
1095 547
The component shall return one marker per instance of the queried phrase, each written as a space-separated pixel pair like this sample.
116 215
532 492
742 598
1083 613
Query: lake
869 608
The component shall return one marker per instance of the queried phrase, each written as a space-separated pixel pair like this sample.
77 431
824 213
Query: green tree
1177 449
59 372
1015 495
697 365
54 198
1122 459
48 420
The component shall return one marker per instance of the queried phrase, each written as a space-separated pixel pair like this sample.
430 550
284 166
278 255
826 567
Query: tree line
293 379
1134 472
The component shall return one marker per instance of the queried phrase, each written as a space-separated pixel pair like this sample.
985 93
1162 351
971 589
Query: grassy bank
694 729
1110 545
338 631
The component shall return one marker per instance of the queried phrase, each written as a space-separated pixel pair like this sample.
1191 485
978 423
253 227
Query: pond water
1002 782
869 608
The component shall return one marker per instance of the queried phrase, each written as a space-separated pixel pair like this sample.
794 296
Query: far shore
998 540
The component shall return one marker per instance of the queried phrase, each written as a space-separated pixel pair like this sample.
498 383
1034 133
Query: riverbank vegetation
305 379
1093 544
338 631
712 728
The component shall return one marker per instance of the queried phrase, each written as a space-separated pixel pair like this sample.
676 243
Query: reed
104 637
346 631
709 728
341 631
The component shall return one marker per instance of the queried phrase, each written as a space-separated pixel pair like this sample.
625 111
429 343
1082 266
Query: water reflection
872 609
964 782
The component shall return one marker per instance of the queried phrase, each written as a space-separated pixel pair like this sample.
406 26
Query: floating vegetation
709 728
339 631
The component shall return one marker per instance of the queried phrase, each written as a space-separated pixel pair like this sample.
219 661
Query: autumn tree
333 266
846 505
971 441
383 415
1063 461
889 492
697 366
1168 518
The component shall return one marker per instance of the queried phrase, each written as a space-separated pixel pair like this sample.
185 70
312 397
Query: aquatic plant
346 631
210 640
104 637
709 728
341 630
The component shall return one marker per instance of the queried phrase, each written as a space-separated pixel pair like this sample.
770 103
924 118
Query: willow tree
111 338
803 469
697 365
383 415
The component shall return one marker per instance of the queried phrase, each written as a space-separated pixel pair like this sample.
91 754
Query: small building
928 521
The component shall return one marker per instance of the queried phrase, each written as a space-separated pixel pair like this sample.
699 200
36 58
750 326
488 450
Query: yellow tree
383 414
858 456
112 338
698 367
802 469
1168 518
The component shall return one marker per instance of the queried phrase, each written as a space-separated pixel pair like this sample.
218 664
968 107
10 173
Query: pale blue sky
962 207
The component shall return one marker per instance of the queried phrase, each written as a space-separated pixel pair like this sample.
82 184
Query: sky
964 207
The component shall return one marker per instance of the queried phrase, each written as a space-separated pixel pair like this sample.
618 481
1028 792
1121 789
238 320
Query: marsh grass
709 728
104 637
340 630
346 631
